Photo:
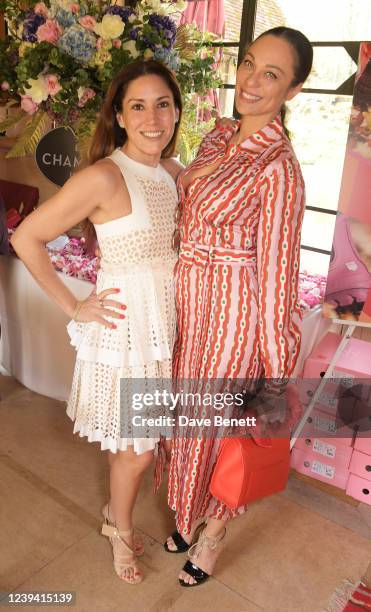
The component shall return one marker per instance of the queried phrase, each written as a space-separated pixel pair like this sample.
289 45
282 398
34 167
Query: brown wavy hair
109 135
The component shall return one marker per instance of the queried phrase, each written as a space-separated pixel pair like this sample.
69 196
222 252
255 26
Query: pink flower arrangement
28 105
73 261
311 290
49 32
52 84
88 22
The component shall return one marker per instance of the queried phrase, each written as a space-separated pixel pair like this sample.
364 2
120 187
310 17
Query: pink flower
84 94
74 7
99 43
116 43
52 84
49 32
41 9
28 105
5 86
88 22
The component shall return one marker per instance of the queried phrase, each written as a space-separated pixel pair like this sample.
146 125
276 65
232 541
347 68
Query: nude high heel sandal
123 556
138 542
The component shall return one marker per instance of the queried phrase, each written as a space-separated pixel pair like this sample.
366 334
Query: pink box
322 425
320 468
327 448
328 402
360 465
359 488
363 444
355 359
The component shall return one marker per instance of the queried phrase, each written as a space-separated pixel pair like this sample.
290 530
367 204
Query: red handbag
248 469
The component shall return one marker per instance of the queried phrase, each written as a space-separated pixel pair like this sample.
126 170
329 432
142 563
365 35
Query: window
318 118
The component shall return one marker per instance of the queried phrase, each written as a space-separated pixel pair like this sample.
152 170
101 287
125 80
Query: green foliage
83 62
27 142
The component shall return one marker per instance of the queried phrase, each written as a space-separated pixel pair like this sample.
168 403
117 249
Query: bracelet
77 310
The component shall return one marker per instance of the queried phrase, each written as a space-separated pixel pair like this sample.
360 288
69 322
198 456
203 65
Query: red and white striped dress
236 286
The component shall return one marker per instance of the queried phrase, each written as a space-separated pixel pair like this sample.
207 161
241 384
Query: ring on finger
101 303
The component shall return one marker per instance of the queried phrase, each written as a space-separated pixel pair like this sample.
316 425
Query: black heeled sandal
198 574
180 543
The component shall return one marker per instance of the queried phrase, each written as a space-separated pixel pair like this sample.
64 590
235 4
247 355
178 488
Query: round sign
56 155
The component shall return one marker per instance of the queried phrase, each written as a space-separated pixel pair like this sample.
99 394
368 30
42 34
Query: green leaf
30 137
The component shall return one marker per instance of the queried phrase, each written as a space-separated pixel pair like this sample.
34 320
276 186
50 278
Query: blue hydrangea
78 42
121 11
170 58
30 25
134 33
165 26
65 18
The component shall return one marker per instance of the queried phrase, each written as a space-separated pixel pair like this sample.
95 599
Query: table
34 344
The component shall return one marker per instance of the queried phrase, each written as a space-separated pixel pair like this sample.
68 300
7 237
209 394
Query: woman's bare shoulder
172 166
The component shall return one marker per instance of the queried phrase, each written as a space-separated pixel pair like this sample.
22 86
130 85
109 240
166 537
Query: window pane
226 101
233 16
314 263
331 67
319 125
228 65
318 230
320 20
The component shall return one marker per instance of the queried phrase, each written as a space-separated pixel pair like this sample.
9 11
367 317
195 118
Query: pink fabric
207 15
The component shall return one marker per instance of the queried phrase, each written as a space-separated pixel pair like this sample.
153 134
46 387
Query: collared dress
236 286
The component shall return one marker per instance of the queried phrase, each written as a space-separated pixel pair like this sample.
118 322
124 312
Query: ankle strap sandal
199 575
123 556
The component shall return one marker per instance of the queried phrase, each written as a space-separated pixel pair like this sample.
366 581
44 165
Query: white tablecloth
34 345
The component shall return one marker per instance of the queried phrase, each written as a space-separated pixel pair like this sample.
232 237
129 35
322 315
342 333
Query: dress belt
204 254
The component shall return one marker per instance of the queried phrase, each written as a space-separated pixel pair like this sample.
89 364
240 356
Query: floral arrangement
60 56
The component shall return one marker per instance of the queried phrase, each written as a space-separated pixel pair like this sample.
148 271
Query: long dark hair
303 56
109 135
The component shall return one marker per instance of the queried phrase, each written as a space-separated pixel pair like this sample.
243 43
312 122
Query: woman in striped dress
241 205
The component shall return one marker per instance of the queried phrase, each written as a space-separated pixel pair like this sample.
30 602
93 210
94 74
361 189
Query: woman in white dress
125 329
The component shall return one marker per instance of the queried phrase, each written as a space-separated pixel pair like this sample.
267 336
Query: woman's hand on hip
98 306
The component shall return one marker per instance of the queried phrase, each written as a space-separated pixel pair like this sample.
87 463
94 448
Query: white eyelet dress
138 259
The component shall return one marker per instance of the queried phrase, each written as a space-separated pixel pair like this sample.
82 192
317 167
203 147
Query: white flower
148 54
38 92
166 7
110 27
130 46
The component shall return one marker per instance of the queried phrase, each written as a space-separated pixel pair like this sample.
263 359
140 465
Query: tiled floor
287 554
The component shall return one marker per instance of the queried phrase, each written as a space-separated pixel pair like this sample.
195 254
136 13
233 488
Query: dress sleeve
278 257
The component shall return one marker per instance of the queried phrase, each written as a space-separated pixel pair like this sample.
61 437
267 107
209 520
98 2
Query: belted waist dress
236 284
